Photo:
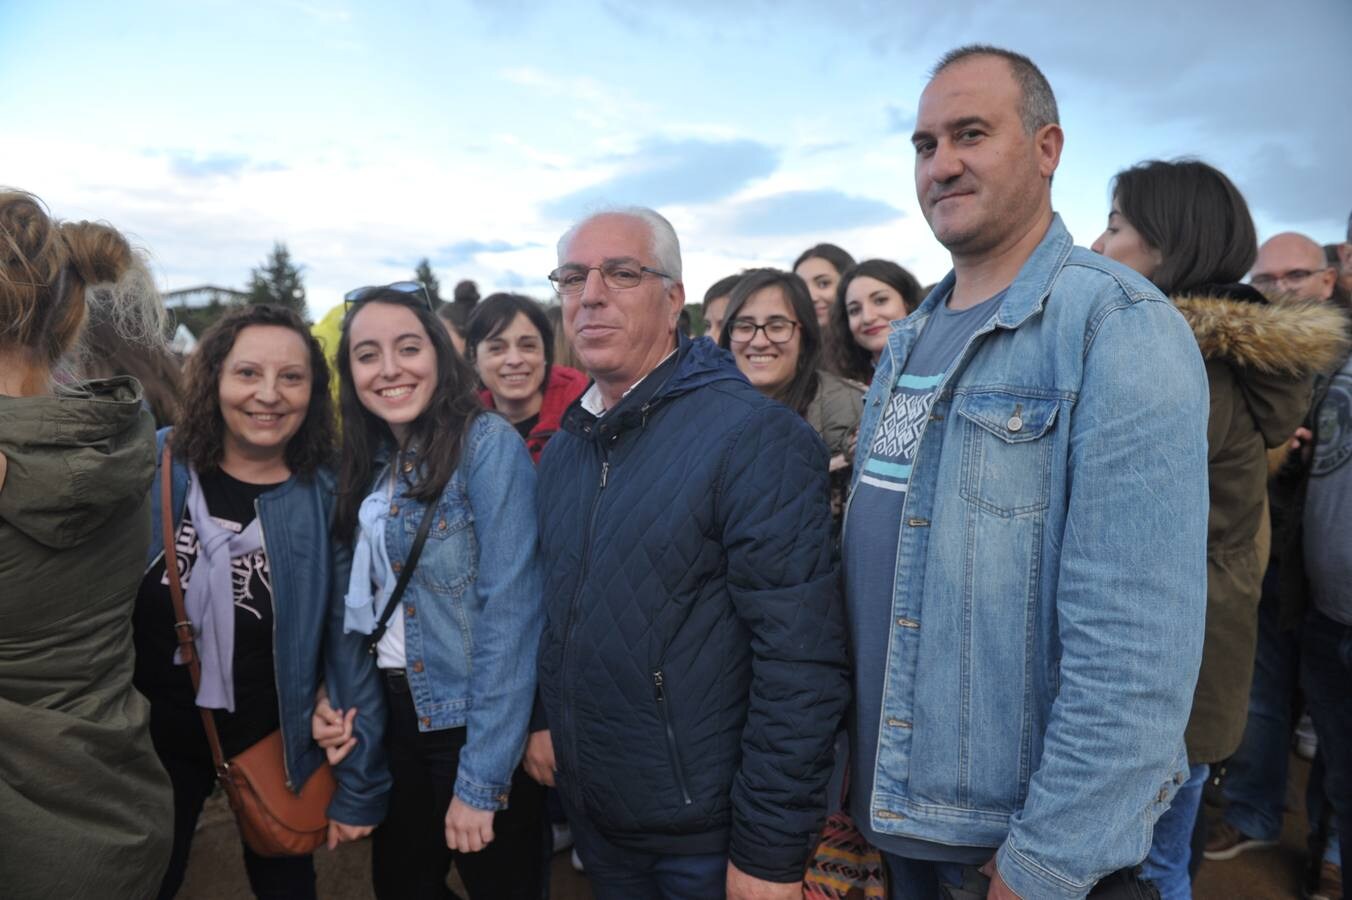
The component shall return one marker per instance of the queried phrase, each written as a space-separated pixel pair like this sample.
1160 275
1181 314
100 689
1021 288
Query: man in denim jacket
1025 544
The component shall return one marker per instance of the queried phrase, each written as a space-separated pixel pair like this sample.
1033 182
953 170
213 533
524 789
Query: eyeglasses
1294 276
616 276
409 288
778 330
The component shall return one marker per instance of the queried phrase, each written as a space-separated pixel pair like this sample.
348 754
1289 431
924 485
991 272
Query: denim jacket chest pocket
1006 451
449 559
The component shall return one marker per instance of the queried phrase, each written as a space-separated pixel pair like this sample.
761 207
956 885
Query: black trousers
183 750
409 856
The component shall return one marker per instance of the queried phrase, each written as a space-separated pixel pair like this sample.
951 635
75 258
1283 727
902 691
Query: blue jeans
618 873
1171 849
1255 780
1326 676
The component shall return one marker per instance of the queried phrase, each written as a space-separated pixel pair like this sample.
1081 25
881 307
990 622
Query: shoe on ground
1330 883
1227 842
577 862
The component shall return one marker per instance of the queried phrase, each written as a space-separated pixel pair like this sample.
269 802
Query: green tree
278 281
429 281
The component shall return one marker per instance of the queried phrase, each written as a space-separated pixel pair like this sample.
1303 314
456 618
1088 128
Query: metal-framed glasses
618 276
1295 276
409 288
778 330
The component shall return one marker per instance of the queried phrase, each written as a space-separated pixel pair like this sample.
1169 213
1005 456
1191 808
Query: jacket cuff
777 864
351 808
490 797
1028 878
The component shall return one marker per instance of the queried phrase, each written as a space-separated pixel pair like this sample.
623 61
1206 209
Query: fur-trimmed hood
1274 349
1289 339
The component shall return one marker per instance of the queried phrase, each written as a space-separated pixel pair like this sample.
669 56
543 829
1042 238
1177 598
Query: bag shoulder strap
183 627
414 552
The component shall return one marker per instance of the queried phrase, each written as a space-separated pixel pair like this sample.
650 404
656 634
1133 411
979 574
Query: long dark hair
1194 216
853 360
438 432
839 259
495 313
199 436
802 388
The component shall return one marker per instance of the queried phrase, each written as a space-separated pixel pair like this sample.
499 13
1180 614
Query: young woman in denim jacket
252 512
457 661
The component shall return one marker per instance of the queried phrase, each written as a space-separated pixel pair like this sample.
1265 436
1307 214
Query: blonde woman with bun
85 808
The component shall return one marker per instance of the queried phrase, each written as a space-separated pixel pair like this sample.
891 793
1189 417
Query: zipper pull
605 470
657 685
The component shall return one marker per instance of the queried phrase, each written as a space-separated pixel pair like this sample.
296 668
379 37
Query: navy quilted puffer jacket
693 665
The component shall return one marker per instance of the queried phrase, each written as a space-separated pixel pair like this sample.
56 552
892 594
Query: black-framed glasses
778 330
617 276
409 288
1267 282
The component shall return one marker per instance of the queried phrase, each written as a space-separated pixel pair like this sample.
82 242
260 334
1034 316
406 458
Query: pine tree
429 281
278 281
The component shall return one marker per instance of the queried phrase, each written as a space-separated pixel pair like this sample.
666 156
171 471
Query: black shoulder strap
429 513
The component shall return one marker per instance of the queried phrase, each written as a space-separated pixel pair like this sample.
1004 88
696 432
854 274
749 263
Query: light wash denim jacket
472 609
1050 579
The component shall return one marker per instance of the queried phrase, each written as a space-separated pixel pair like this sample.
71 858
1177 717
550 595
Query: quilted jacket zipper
659 693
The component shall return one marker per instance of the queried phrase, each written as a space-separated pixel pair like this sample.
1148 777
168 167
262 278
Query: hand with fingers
332 729
468 830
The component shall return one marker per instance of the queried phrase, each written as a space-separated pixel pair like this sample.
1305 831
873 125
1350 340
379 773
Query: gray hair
1038 106
663 244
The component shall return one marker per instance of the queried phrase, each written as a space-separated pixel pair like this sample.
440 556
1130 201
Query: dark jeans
409 856
187 758
1326 676
618 873
918 879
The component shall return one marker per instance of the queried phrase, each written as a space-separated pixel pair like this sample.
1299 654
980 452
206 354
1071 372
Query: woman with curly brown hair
252 504
84 805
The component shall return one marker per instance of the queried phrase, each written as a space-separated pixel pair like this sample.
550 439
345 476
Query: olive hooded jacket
85 808
1261 360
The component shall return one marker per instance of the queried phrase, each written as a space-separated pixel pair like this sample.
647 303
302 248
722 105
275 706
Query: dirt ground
215 871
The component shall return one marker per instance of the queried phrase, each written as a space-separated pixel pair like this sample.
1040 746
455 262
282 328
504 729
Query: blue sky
367 136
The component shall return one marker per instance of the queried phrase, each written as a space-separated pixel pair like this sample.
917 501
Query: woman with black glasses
771 328
436 498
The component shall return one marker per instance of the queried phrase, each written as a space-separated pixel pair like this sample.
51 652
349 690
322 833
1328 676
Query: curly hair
199 436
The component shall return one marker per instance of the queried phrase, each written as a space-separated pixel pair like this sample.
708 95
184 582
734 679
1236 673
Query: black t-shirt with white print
169 686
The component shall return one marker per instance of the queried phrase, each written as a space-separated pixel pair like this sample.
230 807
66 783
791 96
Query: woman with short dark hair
510 343
1184 226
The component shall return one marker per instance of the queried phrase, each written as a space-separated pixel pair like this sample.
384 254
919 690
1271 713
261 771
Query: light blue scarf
210 598
372 580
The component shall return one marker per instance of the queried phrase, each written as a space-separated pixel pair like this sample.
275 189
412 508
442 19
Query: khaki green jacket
85 808
1260 364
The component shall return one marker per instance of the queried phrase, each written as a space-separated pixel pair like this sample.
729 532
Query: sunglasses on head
408 288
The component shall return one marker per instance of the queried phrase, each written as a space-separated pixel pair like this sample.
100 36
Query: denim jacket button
397 566
410 611
426 722
418 666
917 522
1014 424
503 798
394 510
907 623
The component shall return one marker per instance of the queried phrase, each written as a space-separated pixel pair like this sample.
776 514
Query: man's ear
676 297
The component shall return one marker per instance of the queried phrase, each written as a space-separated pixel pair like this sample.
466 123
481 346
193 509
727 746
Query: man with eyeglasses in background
1292 266
693 663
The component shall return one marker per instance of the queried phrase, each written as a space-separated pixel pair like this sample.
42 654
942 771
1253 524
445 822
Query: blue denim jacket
1050 577
472 609
309 575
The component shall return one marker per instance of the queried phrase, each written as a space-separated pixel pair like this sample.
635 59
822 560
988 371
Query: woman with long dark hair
432 482
869 298
771 328
252 502
1184 226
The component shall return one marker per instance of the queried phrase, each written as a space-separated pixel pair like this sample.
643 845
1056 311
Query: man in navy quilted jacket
693 665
